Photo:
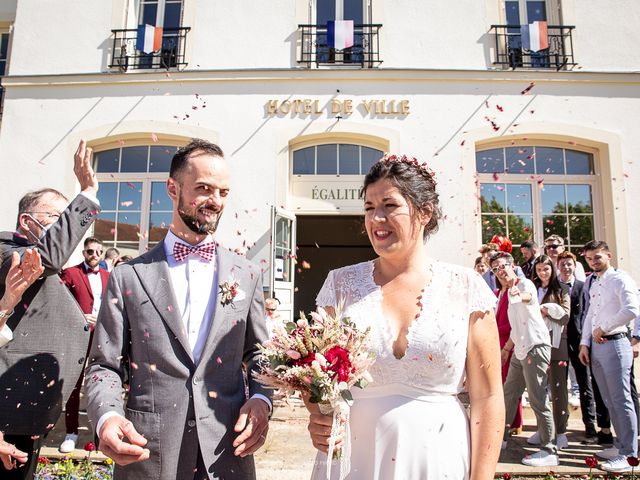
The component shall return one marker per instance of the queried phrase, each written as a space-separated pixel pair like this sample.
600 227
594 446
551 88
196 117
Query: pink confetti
154 138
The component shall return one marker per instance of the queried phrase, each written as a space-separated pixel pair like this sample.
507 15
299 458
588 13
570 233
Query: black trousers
22 471
588 404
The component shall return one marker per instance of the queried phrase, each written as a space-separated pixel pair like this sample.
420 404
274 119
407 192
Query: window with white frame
136 210
4 53
531 192
334 159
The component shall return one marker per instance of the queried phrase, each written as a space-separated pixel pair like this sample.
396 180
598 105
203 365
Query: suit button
191 423
195 382
81 360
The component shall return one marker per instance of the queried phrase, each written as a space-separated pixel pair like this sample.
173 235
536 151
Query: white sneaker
69 444
534 439
541 459
608 453
562 441
616 464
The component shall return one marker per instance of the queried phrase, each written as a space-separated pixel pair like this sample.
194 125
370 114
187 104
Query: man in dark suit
566 268
39 367
87 282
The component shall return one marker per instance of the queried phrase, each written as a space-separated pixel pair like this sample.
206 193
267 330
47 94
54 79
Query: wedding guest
20 276
184 319
554 246
480 266
123 259
605 346
555 303
566 267
111 258
529 251
432 326
87 282
40 366
272 316
531 344
487 250
504 332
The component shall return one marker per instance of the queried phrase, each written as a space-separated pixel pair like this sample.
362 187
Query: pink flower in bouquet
293 354
339 363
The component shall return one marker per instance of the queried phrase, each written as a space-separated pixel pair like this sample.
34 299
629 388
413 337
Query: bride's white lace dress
408 424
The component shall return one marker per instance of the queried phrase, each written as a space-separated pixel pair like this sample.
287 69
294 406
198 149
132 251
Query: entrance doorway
326 242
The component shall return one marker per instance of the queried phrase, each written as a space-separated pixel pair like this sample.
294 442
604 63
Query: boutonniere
228 292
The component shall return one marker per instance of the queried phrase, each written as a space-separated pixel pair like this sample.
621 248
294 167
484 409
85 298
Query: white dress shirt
95 281
194 285
613 303
528 328
6 335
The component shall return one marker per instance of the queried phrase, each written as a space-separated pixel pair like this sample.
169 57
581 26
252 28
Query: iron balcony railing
365 51
509 51
125 56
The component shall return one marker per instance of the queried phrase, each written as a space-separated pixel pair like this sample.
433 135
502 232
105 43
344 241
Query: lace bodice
435 359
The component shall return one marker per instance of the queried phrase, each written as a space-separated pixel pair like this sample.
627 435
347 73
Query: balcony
509 51
365 52
125 56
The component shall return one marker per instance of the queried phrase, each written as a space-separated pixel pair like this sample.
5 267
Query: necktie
182 251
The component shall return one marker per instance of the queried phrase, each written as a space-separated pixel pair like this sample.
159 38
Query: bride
434 335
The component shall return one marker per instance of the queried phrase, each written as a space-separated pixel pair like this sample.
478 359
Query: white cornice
315 75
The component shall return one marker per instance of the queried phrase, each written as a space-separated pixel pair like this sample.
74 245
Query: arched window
136 210
532 191
334 159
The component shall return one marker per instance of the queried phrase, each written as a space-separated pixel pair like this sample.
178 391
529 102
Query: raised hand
113 430
21 276
83 169
253 425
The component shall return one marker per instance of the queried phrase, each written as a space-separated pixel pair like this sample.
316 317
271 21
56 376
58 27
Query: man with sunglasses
87 282
553 247
40 366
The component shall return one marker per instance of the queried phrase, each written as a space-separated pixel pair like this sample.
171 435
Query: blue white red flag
534 36
149 38
340 34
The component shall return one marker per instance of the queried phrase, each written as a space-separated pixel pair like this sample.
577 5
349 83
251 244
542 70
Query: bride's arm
484 382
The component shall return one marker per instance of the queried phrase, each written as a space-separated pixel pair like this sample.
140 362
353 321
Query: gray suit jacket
178 406
40 367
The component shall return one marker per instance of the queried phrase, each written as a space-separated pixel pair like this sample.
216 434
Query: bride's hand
320 427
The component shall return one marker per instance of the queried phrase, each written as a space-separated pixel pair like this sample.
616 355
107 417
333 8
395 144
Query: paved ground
289 455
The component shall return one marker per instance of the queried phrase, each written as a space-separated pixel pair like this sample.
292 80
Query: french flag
340 34
534 36
149 38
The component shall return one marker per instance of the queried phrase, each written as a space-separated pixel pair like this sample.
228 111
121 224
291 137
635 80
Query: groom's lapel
155 279
227 270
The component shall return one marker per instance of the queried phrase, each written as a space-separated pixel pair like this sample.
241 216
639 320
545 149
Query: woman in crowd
432 325
555 303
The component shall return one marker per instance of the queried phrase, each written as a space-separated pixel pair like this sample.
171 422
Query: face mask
45 228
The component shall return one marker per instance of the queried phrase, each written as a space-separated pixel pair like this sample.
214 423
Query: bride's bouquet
322 357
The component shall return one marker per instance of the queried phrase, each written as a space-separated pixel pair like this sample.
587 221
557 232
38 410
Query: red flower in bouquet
339 363
633 461
90 447
304 361
591 461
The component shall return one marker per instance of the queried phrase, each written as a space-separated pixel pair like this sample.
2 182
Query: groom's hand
112 432
252 424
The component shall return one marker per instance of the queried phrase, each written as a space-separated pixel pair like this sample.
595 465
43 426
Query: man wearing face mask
39 367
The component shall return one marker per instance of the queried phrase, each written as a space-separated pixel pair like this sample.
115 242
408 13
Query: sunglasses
91 251
500 267
554 246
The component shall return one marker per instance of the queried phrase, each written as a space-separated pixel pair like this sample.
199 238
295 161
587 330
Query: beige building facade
524 143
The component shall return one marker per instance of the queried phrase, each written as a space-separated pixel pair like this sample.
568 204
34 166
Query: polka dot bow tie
182 251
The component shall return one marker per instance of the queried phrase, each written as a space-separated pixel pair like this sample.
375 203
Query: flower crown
423 167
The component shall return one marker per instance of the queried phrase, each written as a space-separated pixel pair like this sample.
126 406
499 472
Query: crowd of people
178 328
553 318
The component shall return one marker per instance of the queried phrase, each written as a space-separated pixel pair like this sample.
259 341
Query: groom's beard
190 217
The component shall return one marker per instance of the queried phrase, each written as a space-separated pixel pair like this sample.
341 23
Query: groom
182 319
